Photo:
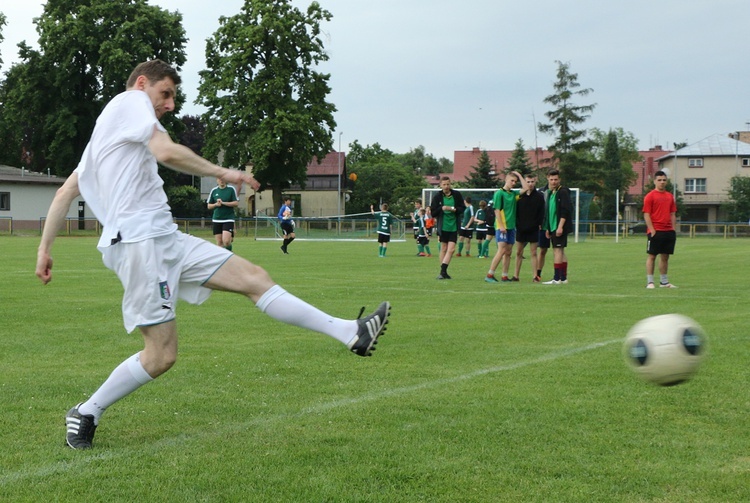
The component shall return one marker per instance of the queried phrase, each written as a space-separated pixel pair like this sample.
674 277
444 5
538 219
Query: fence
262 227
687 229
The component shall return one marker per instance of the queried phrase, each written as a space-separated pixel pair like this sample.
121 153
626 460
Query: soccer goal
477 195
356 227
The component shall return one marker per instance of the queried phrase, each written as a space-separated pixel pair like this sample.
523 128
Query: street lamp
338 177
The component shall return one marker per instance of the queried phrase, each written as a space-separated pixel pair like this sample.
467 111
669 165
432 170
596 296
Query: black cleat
80 428
370 328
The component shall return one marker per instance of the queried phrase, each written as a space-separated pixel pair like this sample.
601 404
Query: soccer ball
665 349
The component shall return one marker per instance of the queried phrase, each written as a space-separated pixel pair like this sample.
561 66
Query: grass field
477 393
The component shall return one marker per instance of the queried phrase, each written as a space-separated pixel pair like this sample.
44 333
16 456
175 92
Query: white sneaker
666 285
563 282
551 282
650 286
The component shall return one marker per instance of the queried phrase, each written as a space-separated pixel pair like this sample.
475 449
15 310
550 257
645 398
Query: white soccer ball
665 349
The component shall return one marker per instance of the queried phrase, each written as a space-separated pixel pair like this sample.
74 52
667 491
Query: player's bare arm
181 158
53 224
649 224
524 185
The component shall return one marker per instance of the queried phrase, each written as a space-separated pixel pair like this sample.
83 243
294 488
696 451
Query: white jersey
118 176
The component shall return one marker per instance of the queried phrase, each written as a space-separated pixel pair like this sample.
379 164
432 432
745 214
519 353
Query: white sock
126 378
663 279
283 306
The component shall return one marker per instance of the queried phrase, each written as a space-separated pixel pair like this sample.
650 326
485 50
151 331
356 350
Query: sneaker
490 278
428 255
650 286
283 249
563 281
421 254
514 278
440 276
505 279
551 282
536 279
458 254
80 429
370 328
666 285
468 254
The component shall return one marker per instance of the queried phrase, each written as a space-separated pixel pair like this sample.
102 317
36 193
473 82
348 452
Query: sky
453 75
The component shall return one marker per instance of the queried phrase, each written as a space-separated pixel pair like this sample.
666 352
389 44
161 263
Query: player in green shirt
445 207
385 220
480 219
467 229
223 200
504 203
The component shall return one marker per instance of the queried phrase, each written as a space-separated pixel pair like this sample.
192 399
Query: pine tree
519 160
483 175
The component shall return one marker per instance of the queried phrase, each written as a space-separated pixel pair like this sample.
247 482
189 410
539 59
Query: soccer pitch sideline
477 393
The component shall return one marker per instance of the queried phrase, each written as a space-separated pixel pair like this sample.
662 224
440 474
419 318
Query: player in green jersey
223 200
504 203
385 220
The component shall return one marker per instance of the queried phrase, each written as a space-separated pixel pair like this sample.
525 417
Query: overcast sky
452 75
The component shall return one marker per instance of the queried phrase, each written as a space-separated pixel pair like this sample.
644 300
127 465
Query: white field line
94 456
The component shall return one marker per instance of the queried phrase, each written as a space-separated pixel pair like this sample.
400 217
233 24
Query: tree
382 176
87 50
421 162
483 174
386 181
186 202
2 23
571 148
266 103
519 160
738 207
369 154
616 150
194 134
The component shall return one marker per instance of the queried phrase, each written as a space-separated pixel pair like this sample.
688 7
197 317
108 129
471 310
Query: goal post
488 194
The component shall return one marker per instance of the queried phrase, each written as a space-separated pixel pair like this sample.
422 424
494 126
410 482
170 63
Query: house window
695 185
4 201
746 162
696 162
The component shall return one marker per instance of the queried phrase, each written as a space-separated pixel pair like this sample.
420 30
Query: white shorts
158 271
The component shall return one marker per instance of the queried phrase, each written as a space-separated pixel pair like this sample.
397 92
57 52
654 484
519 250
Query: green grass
477 393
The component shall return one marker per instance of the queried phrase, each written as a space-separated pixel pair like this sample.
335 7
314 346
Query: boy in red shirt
659 212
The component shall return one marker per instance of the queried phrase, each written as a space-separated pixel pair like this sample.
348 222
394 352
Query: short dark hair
553 172
155 71
659 173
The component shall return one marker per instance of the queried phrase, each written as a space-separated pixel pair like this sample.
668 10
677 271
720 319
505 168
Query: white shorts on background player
156 272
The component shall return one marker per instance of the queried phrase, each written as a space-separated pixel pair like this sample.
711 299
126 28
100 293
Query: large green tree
571 148
87 49
266 102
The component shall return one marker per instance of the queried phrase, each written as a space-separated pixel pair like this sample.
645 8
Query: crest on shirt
164 290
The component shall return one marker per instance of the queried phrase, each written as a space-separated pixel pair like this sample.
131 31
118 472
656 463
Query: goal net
477 195
356 227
